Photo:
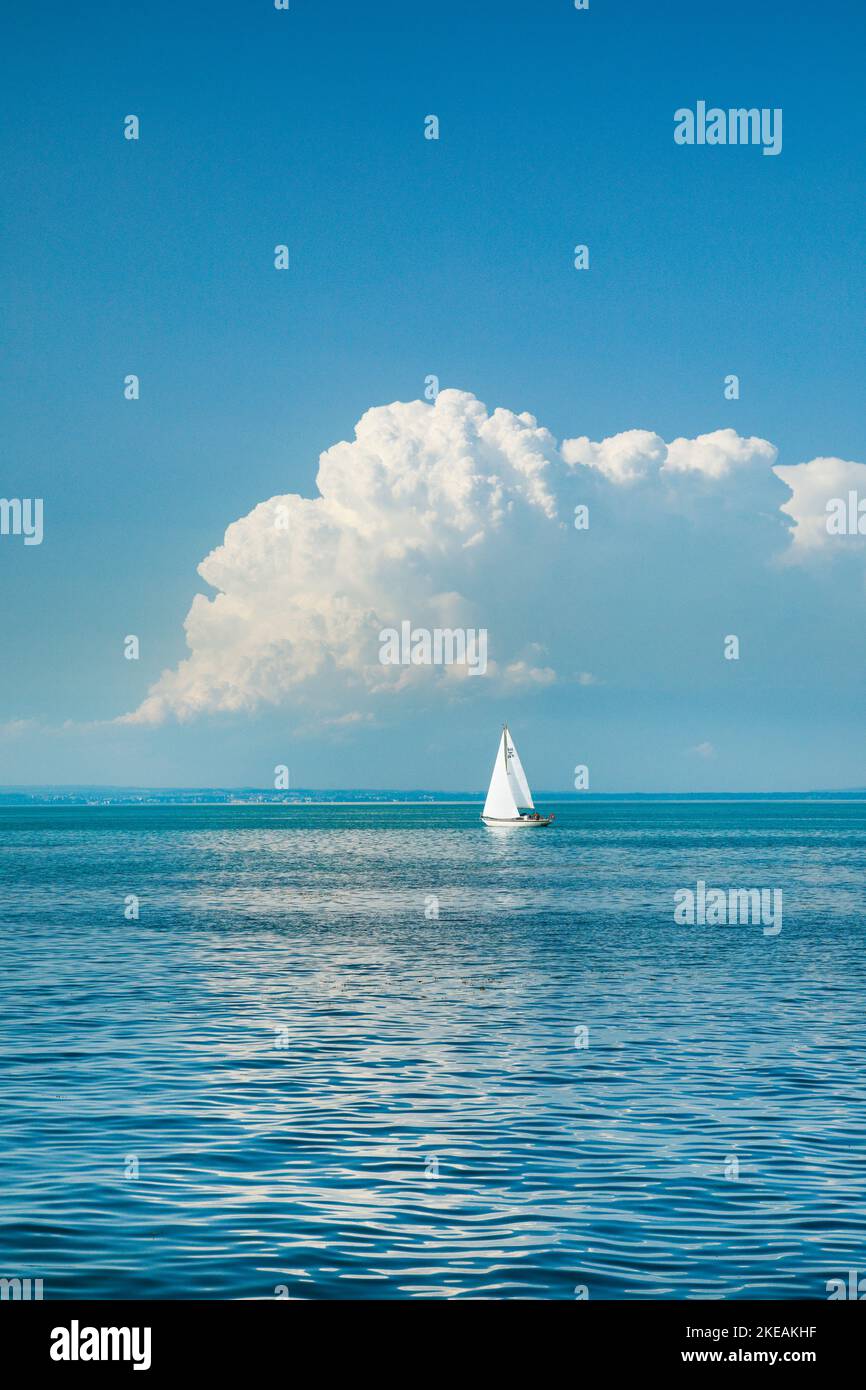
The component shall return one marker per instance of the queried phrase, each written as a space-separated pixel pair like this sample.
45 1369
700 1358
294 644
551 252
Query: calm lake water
290 1074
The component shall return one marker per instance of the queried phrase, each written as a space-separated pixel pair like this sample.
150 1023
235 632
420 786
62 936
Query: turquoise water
289 1075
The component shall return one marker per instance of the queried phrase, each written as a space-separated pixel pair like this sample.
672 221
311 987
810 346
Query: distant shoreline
154 798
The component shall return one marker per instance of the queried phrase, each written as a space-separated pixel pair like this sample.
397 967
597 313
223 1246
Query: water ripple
290 1074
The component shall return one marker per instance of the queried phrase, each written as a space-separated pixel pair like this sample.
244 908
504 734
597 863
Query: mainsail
509 788
500 803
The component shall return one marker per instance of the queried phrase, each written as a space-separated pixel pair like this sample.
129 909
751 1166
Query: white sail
509 800
501 803
516 775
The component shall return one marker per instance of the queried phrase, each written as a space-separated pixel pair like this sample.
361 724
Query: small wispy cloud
16 728
521 673
343 721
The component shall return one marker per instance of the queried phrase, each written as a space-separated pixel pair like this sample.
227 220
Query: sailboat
509 790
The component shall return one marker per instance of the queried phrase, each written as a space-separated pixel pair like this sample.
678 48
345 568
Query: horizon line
37 788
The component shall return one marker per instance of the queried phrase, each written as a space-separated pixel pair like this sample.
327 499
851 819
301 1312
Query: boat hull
519 822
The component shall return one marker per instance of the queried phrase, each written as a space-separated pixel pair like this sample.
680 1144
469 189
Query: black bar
277 1336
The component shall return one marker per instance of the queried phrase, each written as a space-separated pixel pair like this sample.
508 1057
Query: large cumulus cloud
440 514
414 518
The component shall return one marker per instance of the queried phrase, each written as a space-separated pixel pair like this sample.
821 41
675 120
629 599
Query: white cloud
704 750
622 458
813 485
16 728
414 520
638 454
519 673
444 515
718 454
353 717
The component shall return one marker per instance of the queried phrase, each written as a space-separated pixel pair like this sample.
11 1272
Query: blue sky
411 257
